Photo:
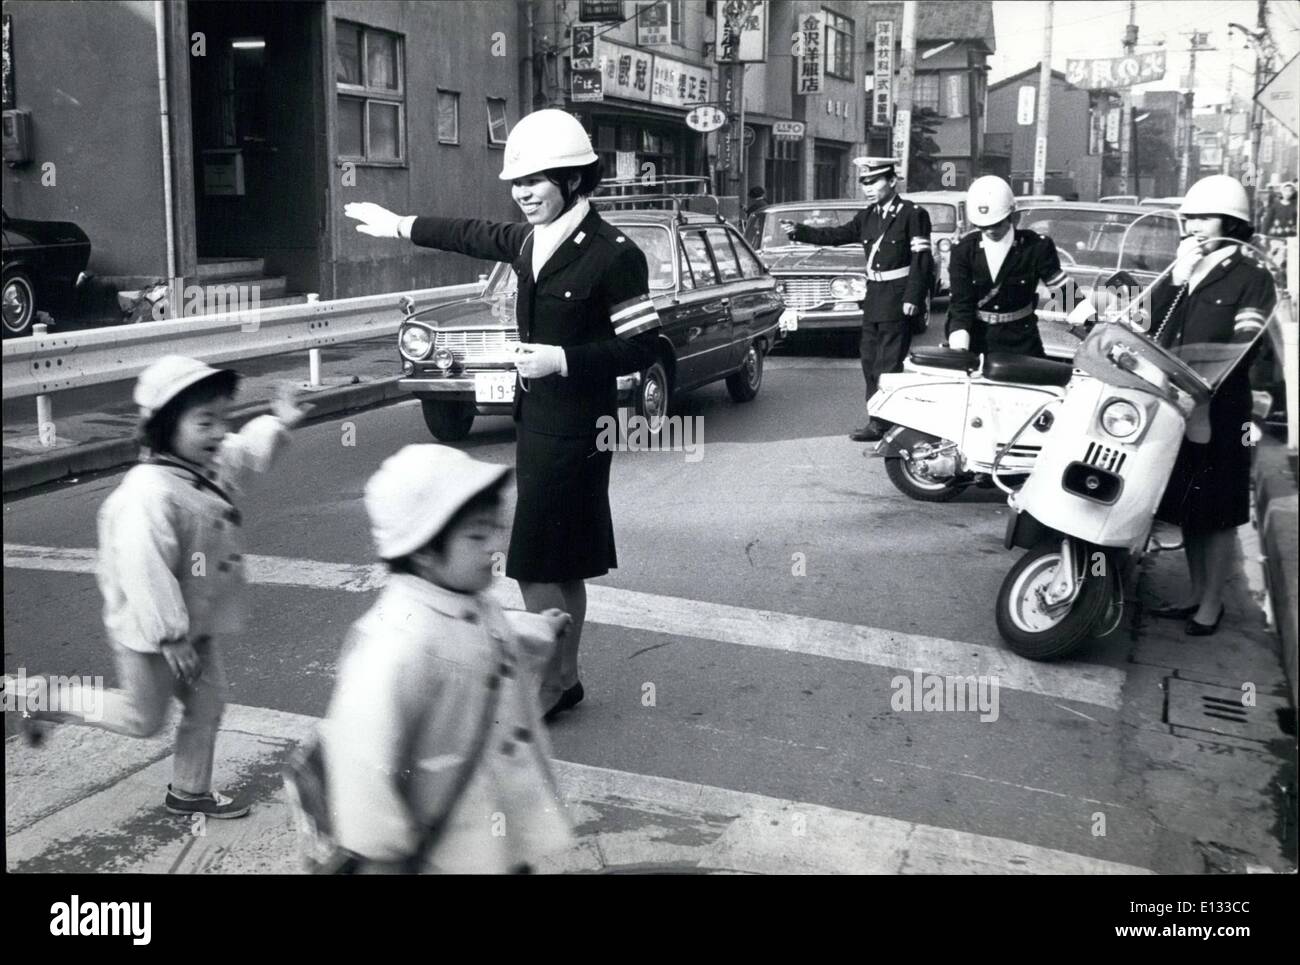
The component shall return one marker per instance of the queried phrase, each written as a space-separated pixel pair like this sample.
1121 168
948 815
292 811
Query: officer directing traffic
895 234
994 274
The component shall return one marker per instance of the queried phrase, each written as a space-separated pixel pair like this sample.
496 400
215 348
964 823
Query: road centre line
722 623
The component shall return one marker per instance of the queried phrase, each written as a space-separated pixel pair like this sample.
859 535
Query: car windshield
1093 238
774 237
654 241
943 217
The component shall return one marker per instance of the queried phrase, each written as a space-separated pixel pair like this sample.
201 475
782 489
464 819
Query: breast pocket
568 312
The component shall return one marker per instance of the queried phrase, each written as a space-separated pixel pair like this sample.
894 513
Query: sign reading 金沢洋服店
809 45
741 35
1116 72
583 54
654 23
882 95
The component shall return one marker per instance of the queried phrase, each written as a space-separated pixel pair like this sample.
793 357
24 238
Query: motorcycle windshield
1200 340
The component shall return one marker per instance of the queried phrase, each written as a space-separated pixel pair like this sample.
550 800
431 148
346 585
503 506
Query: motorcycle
1086 511
953 413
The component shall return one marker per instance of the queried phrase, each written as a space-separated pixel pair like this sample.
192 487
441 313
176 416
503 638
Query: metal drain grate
1219 710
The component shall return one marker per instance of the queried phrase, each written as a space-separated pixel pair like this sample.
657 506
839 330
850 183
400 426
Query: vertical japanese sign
583 54
653 24
1040 160
808 43
726 146
882 98
10 95
1026 102
742 32
956 102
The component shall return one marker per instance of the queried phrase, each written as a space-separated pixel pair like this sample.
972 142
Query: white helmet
545 139
1217 194
988 201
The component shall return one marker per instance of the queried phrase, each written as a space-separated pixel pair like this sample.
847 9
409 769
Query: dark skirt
562 529
1209 489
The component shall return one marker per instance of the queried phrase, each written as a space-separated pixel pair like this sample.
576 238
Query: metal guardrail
42 364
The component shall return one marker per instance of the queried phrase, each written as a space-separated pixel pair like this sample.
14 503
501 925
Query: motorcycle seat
945 358
1025 369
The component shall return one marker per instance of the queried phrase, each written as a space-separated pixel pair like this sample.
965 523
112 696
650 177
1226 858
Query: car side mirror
407 304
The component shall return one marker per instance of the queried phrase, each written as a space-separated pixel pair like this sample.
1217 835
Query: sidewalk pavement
95 426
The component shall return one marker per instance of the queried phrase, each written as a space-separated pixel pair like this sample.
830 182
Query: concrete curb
47 467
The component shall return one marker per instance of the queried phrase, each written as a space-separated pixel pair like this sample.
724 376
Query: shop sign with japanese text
679 84
583 54
809 47
600 11
654 24
587 86
628 72
741 31
882 96
1116 72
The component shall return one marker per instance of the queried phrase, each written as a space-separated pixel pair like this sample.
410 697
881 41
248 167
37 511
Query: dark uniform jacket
1001 314
1230 305
592 299
903 233
1280 218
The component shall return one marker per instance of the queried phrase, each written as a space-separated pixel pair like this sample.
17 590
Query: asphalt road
780 514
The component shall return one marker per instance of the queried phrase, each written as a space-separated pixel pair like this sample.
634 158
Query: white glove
960 340
1189 253
538 361
285 406
378 221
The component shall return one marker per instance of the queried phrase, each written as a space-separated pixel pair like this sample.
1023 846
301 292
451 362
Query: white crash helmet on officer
1219 195
546 139
988 201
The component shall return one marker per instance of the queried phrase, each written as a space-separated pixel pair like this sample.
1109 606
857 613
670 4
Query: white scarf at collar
1202 267
548 237
995 252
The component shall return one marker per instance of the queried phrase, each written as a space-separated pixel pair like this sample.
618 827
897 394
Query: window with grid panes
925 92
676 12
371 91
498 128
839 45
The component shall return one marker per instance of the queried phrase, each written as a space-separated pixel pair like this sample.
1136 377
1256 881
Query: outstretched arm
489 240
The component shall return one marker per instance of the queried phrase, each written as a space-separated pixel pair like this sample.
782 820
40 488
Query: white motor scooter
954 412
1086 511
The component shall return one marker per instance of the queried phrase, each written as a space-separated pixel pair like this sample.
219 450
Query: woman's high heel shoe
570 698
1195 628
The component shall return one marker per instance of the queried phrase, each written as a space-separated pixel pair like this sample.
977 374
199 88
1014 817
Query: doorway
257 117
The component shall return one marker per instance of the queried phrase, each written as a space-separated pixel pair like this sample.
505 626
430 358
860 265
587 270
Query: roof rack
623 194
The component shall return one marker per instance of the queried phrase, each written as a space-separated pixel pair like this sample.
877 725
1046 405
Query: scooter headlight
416 341
849 288
1121 419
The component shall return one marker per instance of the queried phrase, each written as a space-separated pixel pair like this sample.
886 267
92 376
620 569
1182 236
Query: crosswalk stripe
724 623
713 828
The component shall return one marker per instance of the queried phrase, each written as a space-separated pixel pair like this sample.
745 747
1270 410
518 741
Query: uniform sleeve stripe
1246 313
1057 279
637 326
1247 325
631 307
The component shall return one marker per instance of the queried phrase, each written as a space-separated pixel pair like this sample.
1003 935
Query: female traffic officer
1213 295
585 317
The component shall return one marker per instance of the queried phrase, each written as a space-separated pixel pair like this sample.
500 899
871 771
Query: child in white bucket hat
436 759
171 571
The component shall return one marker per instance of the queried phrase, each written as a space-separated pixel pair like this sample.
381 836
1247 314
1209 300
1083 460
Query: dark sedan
43 263
719 307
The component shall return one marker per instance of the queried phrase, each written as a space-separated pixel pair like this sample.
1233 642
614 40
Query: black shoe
570 698
33 730
868 433
212 805
1195 628
1173 612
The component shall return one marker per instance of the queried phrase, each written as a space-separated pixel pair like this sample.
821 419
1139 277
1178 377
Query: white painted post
45 433
313 360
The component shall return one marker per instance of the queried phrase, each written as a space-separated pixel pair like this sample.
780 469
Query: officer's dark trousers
884 347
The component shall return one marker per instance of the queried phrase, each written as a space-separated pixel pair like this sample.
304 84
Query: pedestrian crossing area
90 800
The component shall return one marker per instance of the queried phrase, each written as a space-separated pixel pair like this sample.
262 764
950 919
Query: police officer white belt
1001 318
892 275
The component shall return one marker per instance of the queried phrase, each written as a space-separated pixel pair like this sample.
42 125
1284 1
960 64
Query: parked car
1129 199
1093 242
43 263
825 285
719 307
1170 204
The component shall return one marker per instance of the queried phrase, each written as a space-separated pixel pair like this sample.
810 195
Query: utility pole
906 75
1044 102
1189 102
1126 131
1256 111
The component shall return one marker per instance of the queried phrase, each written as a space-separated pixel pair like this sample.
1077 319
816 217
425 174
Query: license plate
494 387
789 321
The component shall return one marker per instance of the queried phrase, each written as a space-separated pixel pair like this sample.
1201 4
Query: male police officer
994 274
895 234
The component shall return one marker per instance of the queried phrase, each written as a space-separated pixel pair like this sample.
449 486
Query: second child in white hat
436 758
171 571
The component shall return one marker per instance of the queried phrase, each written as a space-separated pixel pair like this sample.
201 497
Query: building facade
275 116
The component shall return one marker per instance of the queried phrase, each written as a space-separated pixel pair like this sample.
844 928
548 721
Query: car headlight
416 341
849 287
1121 419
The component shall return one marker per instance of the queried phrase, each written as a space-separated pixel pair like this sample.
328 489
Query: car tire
743 386
654 397
448 421
19 304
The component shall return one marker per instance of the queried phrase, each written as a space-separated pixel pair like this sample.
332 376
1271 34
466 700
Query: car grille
1112 460
806 293
482 346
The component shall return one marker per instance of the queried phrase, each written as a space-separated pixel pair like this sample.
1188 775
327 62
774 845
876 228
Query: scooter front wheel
909 482
1031 627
